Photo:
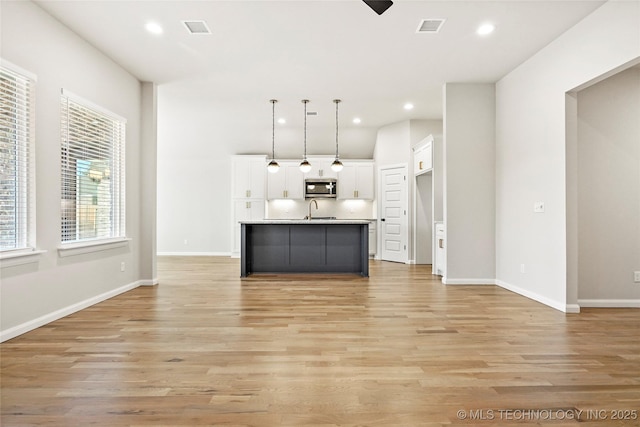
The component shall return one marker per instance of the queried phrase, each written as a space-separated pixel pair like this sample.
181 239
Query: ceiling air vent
197 27
430 26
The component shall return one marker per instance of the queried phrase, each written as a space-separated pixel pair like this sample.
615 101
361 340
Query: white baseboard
194 254
610 303
566 308
148 282
447 281
572 308
58 314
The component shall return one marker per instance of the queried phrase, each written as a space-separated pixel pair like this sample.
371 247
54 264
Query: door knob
383 219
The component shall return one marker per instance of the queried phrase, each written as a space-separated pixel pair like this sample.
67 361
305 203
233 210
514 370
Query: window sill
20 257
79 248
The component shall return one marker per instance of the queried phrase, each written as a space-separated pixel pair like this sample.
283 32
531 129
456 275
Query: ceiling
319 50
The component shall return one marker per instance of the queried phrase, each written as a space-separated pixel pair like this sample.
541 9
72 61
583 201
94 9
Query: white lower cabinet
244 210
439 266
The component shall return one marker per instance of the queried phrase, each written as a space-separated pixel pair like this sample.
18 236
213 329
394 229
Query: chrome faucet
310 202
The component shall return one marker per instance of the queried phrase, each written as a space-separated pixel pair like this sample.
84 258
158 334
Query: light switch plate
636 276
538 207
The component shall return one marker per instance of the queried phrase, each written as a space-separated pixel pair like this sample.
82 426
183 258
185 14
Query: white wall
609 190
148 182
469 183
35 293
438 178
531 158
394 145
194 179
423 244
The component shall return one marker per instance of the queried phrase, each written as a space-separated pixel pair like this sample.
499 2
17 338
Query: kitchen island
305 246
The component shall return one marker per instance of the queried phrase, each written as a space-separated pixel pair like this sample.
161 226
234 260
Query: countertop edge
306 221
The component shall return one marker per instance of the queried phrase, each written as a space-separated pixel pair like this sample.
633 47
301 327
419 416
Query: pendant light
336 166
273 166
305 166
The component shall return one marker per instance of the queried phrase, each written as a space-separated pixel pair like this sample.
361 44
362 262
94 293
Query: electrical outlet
522 270
538 207
636 276
122 266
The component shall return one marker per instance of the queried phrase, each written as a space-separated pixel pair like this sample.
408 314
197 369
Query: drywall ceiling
320 50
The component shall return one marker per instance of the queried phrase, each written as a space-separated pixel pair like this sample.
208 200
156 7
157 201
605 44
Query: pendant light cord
273 166
273 129
305 101
337 101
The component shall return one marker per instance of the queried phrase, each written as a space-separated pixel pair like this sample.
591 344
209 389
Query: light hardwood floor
399 348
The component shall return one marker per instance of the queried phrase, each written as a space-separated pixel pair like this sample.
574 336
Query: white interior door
393 214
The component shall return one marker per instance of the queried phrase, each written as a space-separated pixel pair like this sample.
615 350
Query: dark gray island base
305 246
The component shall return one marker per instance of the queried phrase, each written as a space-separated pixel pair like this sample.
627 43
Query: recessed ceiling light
408 106
357 120
282 121
485 29
153 28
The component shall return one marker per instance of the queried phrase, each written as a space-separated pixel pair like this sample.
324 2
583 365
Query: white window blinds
93 164
16 162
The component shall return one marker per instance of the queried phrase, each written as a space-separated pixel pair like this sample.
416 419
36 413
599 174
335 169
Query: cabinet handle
420 165
286 193
357 193
248 193
320 172
248 205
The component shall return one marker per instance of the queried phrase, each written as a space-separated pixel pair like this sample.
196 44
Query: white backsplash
341 209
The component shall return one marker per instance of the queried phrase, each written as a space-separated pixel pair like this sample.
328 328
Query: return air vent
430 26
197 27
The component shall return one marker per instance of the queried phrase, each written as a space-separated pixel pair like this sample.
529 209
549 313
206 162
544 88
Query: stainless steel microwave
320 188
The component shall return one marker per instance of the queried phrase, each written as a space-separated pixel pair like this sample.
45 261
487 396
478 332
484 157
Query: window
16 159
92 155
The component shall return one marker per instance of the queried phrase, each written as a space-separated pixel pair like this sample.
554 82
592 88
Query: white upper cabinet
249 174
423 156
355 181
321 168
287 183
